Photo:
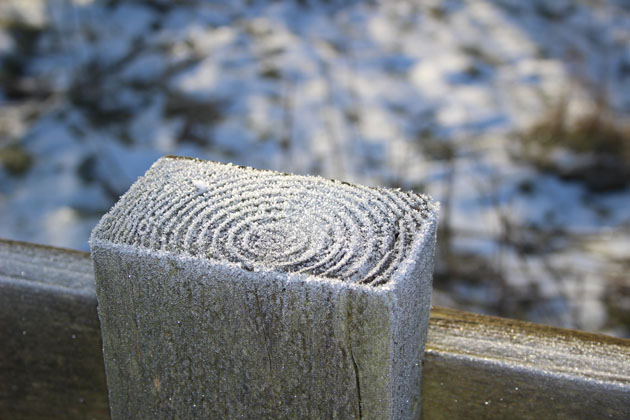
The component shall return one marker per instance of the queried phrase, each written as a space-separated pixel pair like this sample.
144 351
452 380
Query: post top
265 220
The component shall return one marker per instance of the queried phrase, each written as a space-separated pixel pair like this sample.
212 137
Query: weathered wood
480 367
229 292
51 365
522 370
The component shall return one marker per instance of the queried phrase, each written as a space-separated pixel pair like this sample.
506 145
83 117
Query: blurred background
514 115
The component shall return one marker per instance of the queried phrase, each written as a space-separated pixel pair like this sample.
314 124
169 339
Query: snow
373 93
199 81
6 42
146 68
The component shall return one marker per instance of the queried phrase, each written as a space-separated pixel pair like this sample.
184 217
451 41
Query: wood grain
51 365
479 367
475 367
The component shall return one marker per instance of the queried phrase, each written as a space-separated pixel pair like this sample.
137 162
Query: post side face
224 346
413 298
227 304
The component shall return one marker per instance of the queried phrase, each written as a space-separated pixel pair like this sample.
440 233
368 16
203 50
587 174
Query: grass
598 143
13 65
15 159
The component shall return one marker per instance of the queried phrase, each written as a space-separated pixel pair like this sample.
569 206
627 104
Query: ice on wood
230 292
270 221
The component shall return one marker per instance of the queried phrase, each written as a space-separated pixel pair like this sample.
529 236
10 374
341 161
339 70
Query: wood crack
355 366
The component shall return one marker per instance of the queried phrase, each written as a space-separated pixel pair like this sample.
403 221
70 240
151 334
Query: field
514 115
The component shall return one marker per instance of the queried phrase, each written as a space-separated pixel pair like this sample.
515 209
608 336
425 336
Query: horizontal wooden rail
475 367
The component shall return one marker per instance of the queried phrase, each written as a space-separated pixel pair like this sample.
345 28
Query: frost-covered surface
272 221
333 279
422 96
64 269
267 344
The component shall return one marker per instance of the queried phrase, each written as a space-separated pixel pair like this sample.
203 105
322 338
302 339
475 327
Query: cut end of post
231 292
269 221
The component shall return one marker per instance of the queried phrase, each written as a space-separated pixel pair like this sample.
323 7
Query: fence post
229 292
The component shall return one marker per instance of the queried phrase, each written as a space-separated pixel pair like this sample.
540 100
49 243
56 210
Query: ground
458 99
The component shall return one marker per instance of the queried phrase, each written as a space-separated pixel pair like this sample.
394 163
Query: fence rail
475 366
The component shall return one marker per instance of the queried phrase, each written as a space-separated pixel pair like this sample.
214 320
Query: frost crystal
263 220
242 293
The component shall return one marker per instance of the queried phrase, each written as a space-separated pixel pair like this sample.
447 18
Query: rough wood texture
523 370
51 365
229 292
480 367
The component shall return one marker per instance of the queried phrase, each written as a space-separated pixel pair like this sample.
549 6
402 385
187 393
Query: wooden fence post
229 292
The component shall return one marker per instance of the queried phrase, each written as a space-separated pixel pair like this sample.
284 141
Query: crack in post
358 383
355 366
